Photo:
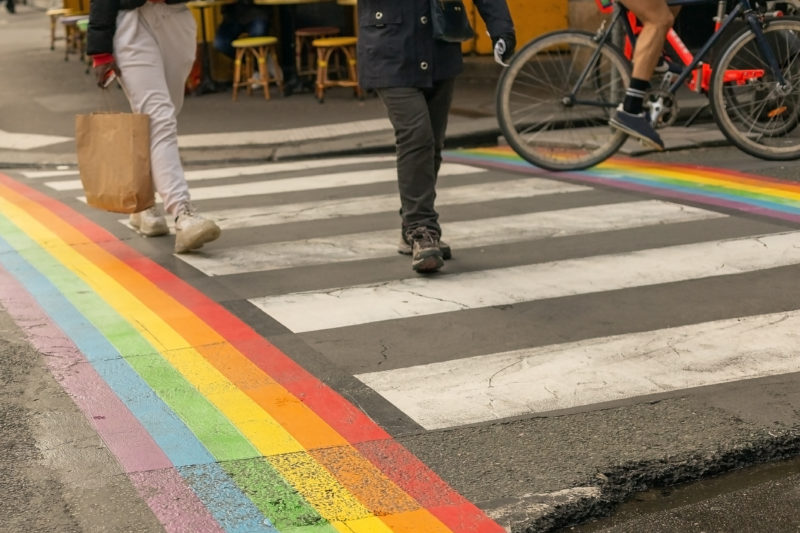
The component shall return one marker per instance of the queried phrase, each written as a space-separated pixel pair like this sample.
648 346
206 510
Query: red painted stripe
150 470
392 459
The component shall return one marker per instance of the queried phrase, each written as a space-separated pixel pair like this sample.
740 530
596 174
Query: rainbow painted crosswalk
221 431
196 406
692 183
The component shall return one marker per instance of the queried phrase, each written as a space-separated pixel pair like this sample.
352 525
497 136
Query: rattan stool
305 56
259 50
326 47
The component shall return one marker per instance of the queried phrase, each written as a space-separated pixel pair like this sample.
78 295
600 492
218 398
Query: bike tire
756 115
536 115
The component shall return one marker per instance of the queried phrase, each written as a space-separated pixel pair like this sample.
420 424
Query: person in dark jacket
150 47
414 75
241 17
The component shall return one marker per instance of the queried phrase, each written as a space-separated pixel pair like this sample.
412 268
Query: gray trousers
154 47
419 118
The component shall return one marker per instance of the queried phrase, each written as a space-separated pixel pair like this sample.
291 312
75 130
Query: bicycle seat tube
601 38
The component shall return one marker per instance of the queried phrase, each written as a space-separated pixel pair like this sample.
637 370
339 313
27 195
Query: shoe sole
429 263
197 241
405 249
162 229
153 232
636 135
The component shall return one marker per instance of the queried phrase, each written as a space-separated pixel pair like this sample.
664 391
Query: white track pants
154 47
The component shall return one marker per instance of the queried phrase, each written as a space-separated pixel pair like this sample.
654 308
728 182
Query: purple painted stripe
620 184
695 198
173 502
150 471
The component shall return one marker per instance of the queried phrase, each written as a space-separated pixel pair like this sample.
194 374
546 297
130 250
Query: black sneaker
425 253
637 126
404 247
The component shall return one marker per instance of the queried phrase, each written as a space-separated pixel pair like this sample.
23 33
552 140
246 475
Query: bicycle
558 92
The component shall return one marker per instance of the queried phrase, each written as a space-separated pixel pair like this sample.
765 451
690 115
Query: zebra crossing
537 259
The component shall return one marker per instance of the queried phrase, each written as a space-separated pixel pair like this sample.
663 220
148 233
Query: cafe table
207 84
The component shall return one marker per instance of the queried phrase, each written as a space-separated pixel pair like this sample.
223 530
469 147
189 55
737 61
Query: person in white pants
150 46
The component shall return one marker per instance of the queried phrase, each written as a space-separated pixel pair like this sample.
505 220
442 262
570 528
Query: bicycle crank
663 109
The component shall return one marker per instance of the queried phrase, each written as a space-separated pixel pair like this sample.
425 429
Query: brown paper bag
114 161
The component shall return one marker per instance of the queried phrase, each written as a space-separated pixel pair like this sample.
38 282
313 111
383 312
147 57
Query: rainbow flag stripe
217 428
715 187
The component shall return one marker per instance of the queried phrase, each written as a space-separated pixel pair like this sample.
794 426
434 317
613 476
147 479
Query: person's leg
258 27
154 48
416 173
227 32
657 19
439 99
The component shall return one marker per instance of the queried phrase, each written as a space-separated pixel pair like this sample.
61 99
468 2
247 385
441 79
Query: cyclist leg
656 18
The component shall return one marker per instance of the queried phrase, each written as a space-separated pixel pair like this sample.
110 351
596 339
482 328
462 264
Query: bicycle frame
700 80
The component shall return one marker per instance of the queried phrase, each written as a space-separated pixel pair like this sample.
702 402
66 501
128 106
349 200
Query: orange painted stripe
261 354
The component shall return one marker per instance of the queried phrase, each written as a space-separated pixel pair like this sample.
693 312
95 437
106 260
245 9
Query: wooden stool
304 50
54 15
259 49
327 47
72 35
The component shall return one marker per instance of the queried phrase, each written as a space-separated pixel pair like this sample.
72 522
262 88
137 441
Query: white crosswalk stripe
318 205
550 378
328 209
308 311
482 232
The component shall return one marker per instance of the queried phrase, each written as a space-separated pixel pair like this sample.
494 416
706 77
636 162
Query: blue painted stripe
699 193
229 506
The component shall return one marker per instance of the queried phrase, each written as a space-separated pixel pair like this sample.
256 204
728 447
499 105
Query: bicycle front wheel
554 101
751 107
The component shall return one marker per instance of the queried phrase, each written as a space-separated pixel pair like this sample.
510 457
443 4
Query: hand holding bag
114 161
450 22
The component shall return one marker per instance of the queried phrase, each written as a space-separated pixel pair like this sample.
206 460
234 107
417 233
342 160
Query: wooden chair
73 37
55 14
259 50
305 56
83 26
326 47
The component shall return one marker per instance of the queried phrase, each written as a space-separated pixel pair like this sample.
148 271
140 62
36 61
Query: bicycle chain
663 109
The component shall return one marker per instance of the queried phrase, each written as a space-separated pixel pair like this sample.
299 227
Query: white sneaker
150 222
192 231
255 81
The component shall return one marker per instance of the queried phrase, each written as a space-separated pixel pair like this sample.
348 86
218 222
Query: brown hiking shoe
425 253
404 247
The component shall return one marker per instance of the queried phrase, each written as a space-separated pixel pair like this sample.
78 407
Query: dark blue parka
396 47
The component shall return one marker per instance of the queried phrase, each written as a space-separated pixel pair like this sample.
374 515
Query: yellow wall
531 19
79 6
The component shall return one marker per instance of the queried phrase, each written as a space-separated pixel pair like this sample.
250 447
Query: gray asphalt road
531 472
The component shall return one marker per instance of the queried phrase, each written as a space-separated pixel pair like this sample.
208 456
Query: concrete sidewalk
41 93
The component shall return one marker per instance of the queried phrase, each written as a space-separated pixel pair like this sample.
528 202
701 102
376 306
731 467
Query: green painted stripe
688 183
259 480
275 497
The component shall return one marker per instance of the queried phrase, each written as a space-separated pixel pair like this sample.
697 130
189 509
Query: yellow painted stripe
262 430
709 179
255 424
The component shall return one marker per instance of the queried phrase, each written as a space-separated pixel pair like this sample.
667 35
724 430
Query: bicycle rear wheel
752 110
541 118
